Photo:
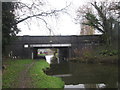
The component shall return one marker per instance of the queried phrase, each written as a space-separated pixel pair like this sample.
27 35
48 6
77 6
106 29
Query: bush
108 52
54 60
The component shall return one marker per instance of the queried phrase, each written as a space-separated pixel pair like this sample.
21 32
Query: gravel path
24 80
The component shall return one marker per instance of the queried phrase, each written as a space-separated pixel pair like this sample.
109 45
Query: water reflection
48 58
76 75
86 86
63 75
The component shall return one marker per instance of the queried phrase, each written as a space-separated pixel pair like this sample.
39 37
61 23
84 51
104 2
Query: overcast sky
65 25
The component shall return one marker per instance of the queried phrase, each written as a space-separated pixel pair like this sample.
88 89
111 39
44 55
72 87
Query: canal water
77 75
49 58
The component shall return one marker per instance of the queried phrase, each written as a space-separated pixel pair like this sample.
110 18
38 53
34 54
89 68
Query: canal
78 75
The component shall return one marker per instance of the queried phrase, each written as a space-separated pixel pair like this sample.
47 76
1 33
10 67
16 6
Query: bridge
27 46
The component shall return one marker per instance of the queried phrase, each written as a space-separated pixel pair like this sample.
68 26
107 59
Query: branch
99 29
42 14
95 26
99 11
46 25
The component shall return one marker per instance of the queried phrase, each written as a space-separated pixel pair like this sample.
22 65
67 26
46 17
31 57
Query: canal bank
87 72
41 80
79 75
96 59
28 74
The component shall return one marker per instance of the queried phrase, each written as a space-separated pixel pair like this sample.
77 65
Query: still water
49 58
77 75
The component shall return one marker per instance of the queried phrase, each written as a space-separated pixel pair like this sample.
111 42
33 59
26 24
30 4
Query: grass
11 73
41 80
42 54
38 77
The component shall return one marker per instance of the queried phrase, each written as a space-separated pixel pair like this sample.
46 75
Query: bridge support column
63 54
26 53
69 53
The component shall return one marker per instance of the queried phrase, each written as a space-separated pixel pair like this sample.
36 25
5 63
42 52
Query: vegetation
109 52
98 55
9 28
96 59
102 16
105 23
41 80
42 54
38 77
14 13
54 59
11 72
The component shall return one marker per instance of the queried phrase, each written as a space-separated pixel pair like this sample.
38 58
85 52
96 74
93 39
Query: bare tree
103 19
115 7
80 19
39 10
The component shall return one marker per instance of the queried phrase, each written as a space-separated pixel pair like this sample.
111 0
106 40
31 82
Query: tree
14 13
85 29
39 10
103 20
115 7
9 29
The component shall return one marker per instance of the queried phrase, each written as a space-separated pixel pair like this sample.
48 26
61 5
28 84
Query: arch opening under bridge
62 50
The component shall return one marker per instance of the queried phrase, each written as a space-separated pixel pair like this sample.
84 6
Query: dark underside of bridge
63 52
26 46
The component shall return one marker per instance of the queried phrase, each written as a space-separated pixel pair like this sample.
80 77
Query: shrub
108 52
54 60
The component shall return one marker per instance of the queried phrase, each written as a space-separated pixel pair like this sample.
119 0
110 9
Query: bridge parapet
57 39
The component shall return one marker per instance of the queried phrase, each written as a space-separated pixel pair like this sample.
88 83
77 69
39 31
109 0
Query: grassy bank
11 72
41 80
13 69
